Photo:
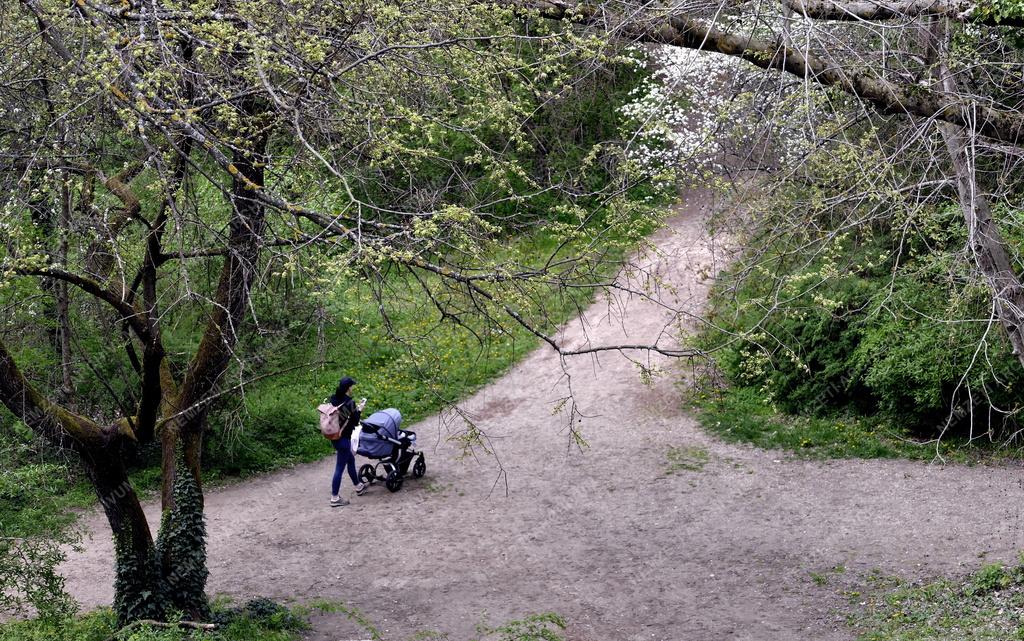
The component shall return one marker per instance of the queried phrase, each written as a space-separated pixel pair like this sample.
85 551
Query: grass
546 626
537 627
985 606
819 578
740 415
823 578
685 458
259 619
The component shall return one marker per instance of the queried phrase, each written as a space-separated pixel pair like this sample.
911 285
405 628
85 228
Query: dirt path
605 537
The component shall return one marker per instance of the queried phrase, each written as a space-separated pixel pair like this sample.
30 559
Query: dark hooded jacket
341 399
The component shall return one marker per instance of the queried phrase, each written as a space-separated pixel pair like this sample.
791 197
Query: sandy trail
604 537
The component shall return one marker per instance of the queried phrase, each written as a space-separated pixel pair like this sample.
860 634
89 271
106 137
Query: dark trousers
343 447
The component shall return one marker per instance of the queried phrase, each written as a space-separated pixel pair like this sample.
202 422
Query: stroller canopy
377 428
386 422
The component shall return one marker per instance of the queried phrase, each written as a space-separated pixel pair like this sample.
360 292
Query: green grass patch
685 458
741 415
538 627
823 578
259 619
985 606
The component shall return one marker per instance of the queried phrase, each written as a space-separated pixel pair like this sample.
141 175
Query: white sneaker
338 501
362 487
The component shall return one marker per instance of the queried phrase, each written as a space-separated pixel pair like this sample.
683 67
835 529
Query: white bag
356 433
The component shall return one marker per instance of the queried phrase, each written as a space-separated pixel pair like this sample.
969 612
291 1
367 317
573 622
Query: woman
343 446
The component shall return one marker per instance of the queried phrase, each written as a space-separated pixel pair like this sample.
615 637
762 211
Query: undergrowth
985 606
877 345
741 415
259 619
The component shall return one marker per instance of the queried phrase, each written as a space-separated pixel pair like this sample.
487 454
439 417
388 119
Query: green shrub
30 582
856 332
990 578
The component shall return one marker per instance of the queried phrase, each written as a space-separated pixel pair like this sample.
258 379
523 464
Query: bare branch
958 10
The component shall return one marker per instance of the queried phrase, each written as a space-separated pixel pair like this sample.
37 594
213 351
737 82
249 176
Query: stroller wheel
393 481
419 468
366 474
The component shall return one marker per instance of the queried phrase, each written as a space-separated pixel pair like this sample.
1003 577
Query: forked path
604 536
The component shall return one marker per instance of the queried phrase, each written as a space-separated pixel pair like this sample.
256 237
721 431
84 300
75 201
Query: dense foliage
878 320
878 273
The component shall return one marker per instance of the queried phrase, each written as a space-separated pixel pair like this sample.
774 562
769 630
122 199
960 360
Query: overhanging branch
957 10
886 95
134 317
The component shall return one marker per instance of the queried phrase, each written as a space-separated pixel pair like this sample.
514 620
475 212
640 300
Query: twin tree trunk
172 571
153 577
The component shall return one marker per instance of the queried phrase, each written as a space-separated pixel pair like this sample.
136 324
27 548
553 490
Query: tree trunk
67 367
139 587
227 315
154 578
182 549
985 242
61 293
183 519
55 305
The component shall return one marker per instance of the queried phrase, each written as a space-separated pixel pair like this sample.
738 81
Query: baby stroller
382 438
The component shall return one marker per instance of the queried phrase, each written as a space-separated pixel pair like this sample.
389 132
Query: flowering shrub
672 118
696 108
858 330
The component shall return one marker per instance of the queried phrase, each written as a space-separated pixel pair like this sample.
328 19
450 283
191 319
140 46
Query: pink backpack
330 420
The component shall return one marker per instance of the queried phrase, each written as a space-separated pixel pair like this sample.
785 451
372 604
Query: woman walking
343 445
